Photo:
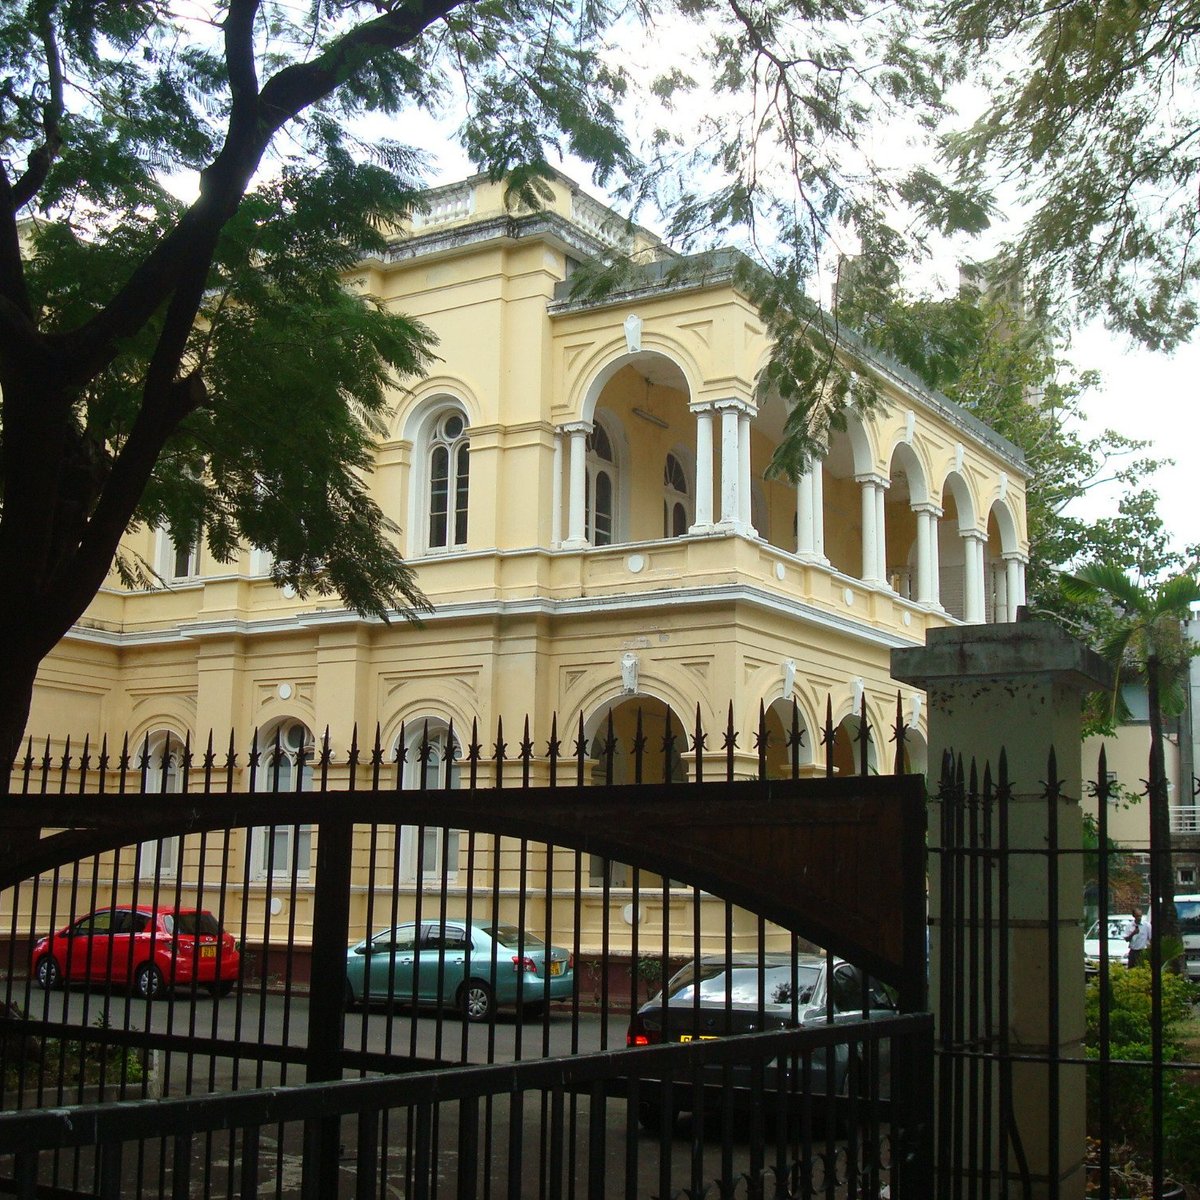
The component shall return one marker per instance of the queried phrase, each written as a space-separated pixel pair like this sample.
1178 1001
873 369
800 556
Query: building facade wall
620 543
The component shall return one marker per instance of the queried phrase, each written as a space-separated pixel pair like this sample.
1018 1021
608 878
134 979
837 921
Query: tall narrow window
431 763
160 765
449 482
601 487
177 561
285 766
676 501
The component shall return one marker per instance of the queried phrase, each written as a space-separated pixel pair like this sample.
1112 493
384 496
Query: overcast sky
1155 397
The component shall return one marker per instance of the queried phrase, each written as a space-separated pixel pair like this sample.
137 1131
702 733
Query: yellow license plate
704 1037
556 967
208 952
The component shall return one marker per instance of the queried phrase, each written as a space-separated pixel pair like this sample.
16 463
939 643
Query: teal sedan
473 968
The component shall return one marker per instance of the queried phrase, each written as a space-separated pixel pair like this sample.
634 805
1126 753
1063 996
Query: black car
717 996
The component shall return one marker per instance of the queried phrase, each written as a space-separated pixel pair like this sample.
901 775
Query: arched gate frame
840 862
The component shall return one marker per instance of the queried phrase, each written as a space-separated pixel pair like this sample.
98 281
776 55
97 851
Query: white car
1187 910
1118 948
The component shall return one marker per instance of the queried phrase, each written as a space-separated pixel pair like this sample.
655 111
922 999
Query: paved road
516 1149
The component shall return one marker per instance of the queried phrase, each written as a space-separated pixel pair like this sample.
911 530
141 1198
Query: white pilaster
745 524
881 486
576 520
818 508
557 487
704 470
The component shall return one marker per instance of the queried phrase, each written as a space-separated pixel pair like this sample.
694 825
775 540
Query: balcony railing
1185 818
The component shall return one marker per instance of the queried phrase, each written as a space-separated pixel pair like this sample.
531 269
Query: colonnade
1008 586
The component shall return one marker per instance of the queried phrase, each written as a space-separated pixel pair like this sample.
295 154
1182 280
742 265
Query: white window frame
168 555
457 448
595 466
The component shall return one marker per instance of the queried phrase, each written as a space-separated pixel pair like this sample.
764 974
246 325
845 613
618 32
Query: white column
1000 609
972 577
805 542
729 465
818 508
746 525
881 561
556 504
927 529
870 539
704 470
576 523
935 557
1014 577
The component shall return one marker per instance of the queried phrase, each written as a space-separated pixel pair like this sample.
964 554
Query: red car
147 948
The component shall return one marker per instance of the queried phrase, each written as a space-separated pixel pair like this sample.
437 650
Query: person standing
1137 934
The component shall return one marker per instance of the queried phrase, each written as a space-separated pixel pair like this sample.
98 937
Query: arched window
286 754
160 770
677 503
449 481
431 762
601 487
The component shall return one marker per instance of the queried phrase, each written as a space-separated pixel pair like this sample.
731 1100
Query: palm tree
1145 638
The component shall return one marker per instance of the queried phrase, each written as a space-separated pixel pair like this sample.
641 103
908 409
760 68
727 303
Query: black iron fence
431 970
1056 1070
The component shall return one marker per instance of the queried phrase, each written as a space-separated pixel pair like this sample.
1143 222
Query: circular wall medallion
848 595
285 691
780 572
908 618
635 563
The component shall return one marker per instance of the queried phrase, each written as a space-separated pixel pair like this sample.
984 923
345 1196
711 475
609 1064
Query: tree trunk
1162 874
16 694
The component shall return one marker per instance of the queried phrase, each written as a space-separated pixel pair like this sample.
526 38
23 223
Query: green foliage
1130 1035
1131 1010
1140 629
1094 126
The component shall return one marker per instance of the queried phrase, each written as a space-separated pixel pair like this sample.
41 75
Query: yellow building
581 490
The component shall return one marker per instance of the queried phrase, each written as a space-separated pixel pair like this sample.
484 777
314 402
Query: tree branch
188 246
41 158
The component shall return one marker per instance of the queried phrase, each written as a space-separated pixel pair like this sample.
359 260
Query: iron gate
276 1089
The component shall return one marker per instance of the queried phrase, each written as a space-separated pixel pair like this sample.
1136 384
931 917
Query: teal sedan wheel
476 1000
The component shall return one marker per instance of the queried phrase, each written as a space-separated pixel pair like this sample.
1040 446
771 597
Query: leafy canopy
1093 131
212 373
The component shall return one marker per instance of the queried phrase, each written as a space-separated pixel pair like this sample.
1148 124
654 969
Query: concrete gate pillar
1017 687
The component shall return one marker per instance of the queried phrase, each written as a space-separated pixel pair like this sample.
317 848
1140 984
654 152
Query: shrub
1130 1038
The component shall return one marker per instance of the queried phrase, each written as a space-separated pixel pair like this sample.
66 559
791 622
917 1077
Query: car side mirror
362 949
